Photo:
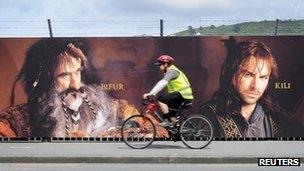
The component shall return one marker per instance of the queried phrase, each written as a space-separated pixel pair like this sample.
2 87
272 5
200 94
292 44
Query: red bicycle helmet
164 59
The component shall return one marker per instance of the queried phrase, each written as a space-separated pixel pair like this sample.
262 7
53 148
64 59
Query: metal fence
139 28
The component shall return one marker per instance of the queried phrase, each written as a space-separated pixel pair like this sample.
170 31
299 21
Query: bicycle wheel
138 132
196 132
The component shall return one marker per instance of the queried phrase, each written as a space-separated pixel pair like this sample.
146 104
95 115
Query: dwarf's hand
78 134
6 131
76 52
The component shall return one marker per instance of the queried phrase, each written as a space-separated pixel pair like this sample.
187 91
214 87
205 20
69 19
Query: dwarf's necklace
75 115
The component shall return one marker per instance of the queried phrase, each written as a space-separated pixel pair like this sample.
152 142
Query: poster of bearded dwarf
63 95
87 112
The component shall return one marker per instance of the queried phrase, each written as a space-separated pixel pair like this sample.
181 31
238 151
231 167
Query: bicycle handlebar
149 99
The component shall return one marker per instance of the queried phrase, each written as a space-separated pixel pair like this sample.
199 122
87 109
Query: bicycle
138 131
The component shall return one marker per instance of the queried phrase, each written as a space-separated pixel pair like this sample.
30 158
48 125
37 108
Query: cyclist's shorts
173 100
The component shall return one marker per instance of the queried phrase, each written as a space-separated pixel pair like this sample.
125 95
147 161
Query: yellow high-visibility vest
180 84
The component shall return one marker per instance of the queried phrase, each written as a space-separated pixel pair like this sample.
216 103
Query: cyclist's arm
158 87
170 75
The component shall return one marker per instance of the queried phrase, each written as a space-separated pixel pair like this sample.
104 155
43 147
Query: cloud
195 4
177 14
151 9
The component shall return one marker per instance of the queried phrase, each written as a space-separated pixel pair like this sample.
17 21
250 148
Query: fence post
161 27
50 27
276 27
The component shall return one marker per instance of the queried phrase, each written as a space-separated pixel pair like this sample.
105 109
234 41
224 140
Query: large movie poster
247 86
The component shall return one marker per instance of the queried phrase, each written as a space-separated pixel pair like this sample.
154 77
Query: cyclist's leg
163 101
173 100
178 99
164 108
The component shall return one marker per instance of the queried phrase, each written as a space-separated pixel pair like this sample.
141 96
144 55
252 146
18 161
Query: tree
236 28
191 31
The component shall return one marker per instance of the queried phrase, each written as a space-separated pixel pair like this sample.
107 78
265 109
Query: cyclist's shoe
166 123
175 121
176 137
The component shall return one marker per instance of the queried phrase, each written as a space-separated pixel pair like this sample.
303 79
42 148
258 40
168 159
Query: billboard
248 86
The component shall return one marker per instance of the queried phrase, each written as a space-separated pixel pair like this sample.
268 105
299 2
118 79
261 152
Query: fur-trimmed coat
15 122
233 126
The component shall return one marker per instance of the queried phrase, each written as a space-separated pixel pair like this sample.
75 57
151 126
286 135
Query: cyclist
178 88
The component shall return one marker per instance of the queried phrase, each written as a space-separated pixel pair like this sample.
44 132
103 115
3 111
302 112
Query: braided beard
97 111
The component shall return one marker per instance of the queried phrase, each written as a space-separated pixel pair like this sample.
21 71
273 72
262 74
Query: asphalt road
138 167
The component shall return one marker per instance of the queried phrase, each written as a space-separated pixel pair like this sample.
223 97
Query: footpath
158 152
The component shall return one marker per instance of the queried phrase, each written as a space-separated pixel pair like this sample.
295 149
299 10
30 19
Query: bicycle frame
151 109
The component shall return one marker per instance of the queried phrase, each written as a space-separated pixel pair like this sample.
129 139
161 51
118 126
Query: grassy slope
286 27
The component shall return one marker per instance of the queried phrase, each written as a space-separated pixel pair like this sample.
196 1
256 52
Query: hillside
285 27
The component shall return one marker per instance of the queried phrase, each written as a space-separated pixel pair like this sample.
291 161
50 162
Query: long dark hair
226 98
38 76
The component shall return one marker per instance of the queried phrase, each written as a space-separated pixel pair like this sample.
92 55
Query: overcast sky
134 17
